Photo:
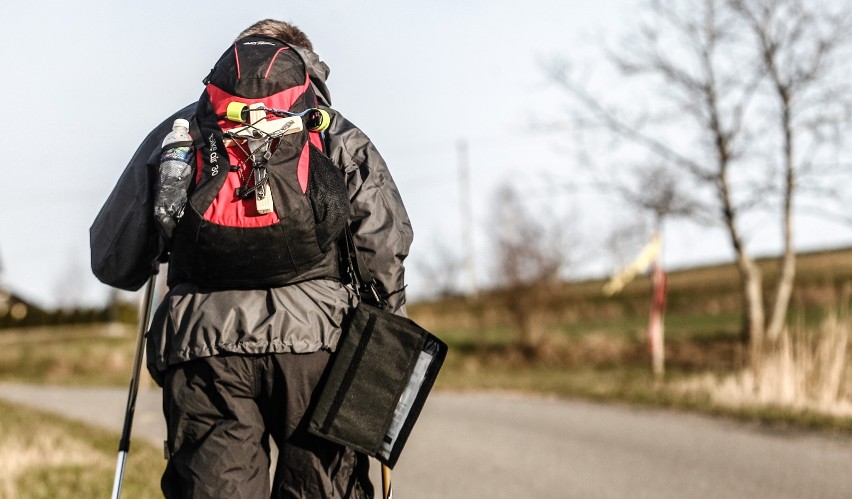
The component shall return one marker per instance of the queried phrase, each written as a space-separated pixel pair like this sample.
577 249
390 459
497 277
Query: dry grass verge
807 372
45 456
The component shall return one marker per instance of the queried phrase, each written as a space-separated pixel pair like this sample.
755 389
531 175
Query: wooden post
387 488
656 329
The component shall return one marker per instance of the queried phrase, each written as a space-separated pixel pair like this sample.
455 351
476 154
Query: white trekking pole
124 443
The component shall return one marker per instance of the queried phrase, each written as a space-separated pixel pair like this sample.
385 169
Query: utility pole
466 207
656 320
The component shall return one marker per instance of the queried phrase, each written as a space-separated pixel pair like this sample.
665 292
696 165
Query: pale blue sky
86 81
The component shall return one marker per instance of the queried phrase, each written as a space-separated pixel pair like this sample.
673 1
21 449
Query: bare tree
68 286
440 269
660 195
798 45
532 249
744 96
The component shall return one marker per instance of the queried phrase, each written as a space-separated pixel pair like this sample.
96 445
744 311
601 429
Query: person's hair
280 30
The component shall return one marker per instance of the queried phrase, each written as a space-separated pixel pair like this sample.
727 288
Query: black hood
318 72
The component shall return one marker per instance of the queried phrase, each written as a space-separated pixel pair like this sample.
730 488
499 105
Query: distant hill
823 278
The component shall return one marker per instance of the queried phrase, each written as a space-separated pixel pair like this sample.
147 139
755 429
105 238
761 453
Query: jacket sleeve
380 225
124 241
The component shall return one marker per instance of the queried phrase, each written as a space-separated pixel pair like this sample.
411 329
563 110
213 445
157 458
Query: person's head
280 30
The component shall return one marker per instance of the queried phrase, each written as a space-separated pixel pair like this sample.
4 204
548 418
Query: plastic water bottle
175 175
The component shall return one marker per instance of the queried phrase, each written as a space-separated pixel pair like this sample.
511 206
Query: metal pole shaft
124 443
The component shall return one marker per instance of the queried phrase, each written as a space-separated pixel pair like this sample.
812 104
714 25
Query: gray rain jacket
192 322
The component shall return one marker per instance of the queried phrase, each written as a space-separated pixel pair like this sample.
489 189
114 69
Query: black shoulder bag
380 375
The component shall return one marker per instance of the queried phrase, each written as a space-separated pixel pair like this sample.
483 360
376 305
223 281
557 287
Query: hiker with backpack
257 295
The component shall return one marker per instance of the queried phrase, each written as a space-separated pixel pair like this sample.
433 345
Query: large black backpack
222 240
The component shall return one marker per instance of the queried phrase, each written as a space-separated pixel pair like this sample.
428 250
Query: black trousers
220 412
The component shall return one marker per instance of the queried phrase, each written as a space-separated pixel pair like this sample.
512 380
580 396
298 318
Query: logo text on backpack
214 156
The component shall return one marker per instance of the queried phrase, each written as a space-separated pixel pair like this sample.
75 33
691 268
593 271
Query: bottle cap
180 122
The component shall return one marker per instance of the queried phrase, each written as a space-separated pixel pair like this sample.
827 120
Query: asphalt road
509 446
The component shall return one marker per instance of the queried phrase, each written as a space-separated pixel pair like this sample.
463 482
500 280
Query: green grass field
595 347
76 355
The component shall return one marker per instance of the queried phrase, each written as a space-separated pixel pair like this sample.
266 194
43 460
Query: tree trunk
784 291
788 265
750 276
753 295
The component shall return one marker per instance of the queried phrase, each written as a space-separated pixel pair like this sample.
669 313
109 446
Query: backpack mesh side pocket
329 198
